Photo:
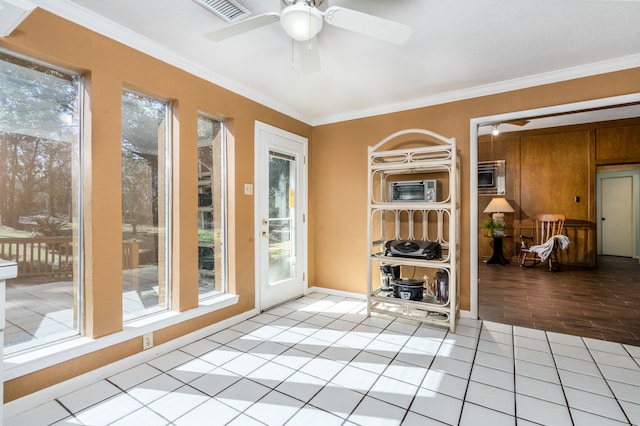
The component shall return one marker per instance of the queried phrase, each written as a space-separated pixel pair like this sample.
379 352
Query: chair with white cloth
546 240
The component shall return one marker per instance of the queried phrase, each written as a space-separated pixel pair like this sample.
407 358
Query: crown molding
565 74
91 20
101 25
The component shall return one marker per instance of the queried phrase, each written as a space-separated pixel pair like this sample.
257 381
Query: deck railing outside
53 256
130 255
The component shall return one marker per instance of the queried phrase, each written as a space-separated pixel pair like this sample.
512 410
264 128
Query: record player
417 249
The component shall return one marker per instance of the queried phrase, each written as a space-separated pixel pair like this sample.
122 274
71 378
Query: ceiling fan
302 21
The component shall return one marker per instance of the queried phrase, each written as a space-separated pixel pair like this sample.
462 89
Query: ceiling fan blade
519 122
243 26
309 55
369 25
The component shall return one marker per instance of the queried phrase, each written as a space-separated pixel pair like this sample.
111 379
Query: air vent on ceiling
229 10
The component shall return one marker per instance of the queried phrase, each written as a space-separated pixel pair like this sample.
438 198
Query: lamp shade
301 21
499 205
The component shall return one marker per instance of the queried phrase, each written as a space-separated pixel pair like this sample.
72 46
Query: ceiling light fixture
301 21
495 131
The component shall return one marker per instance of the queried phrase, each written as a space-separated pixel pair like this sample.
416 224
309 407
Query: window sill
20 364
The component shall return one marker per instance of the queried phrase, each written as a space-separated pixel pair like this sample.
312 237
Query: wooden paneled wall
554 171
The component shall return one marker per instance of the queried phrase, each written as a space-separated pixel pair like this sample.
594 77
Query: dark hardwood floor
603 303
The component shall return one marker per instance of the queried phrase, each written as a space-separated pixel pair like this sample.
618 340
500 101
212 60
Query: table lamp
499 206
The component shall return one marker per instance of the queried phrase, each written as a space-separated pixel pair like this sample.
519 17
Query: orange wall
108 67
338 170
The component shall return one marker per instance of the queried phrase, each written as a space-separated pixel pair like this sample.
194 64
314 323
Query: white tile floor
320 361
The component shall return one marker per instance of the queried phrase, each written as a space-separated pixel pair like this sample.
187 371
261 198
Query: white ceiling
458 49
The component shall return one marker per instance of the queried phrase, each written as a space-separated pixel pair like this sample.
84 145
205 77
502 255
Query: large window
211 208
39 201
145 202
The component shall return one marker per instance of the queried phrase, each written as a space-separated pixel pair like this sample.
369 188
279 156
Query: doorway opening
556 113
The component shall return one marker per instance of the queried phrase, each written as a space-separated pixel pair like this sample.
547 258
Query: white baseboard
466 314
40 397
331 292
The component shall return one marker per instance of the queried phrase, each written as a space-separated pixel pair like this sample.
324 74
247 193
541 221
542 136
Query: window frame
167 169
224 190
77 170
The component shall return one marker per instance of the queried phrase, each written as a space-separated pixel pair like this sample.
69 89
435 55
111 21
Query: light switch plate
248 189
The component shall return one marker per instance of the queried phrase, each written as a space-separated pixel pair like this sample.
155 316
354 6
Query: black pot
408 289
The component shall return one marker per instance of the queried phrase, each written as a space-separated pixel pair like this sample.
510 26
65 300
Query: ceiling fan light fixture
301 21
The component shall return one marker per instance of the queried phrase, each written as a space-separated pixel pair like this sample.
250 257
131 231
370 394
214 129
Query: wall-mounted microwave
415 190
491 177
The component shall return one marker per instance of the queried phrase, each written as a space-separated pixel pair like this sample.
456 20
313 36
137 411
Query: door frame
635 212
302 196
474 123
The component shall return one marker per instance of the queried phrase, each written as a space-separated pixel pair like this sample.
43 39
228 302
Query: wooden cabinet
416 221
620 144
554 170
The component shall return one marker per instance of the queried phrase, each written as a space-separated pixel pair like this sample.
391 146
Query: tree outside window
39 200
145 189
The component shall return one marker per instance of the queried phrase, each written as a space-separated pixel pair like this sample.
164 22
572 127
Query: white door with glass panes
281 202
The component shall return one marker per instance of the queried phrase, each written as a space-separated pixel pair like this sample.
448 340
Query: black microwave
414 190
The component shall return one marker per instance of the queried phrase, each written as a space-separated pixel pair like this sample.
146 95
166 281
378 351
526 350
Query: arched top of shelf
445 142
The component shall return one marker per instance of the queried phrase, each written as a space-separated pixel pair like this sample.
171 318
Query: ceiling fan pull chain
293 62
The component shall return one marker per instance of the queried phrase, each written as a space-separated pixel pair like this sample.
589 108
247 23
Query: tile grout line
626 416
315 356
473 363
562 387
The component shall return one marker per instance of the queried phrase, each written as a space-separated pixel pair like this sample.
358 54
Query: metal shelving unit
434 157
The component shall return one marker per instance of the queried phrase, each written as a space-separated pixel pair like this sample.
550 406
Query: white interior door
281 209
616 221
